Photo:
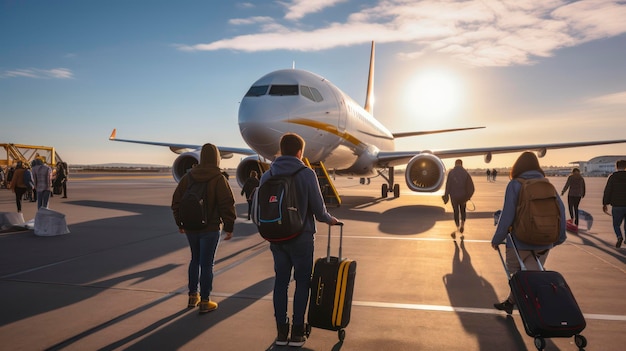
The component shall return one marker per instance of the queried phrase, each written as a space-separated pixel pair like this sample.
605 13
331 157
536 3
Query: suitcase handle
519 258
340 224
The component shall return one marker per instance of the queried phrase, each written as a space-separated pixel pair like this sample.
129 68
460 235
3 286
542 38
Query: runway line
422 307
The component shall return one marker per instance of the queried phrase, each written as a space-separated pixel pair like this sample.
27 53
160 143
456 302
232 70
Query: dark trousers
19 193
572 203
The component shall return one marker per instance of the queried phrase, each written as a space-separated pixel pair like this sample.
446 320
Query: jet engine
425 173
248 164
184 163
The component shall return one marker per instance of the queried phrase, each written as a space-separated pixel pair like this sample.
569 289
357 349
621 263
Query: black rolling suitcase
332 286
545 303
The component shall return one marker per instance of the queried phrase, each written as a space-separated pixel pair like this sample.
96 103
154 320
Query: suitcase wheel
580 341
540 343
341 333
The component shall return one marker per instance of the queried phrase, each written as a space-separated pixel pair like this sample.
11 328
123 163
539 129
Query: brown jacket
220 199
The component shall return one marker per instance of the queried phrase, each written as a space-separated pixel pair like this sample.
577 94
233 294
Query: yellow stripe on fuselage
326 127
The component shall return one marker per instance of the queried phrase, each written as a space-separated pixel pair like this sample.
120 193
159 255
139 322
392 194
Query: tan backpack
537 216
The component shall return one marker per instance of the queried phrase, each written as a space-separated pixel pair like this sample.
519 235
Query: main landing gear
389 186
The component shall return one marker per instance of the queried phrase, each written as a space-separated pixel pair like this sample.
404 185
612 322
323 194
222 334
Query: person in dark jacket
18 185
459 190
615 195
526 167
576 185
204 242
248 189
296 254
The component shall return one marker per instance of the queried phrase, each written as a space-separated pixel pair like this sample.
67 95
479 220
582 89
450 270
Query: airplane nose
259 123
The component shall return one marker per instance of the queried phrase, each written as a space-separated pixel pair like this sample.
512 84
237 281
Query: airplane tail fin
369 96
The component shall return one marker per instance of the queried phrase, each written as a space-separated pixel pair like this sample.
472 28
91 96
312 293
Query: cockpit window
282 90
311 93
257 90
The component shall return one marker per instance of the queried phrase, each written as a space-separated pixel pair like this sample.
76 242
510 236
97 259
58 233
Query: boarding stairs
329 192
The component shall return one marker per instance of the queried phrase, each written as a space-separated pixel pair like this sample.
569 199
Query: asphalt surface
118 280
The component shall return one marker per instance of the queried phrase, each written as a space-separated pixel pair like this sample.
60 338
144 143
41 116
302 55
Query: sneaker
619 242
194 300
207 305
283 334
297 336
462 228
505 305
453 235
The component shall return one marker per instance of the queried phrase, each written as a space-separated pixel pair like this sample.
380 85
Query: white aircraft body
338 132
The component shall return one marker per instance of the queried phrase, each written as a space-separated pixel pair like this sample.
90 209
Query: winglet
113 134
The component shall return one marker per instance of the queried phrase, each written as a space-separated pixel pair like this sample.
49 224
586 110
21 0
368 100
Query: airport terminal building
600 166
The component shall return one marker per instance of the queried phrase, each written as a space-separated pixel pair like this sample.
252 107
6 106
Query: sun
434 93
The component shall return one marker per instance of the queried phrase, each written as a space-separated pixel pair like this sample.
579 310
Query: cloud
55 73
610 99
298 9
476 32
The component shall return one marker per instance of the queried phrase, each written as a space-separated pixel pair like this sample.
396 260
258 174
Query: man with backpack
526 169
297 253
202 204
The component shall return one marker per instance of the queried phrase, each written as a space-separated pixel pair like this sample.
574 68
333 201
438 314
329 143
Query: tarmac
118 280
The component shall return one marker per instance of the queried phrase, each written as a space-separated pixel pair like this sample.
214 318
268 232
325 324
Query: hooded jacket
310 199
220 200
615 190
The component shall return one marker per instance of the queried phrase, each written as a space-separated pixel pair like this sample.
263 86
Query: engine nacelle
183 163
488 157
248 164
425 173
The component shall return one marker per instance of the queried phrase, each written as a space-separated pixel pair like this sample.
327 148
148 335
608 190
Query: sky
533 71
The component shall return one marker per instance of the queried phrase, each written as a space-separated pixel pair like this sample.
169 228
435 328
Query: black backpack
275 208
193 203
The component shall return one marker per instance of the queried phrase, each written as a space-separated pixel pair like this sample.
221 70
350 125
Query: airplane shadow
420 218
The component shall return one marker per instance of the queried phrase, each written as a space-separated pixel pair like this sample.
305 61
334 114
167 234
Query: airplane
338 132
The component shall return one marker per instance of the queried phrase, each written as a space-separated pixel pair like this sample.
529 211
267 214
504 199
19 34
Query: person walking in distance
219 213
576 185
248 189
459 190
615 195
42 175
296 254
526 167
18 185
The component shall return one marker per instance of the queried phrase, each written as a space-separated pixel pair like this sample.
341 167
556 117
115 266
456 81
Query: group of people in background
491 175
35 182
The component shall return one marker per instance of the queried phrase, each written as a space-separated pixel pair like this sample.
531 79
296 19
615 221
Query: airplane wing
225 152
395 158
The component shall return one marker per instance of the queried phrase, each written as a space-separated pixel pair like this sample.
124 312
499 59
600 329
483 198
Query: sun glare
434 93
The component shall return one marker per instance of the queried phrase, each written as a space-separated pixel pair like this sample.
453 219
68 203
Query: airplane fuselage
337 130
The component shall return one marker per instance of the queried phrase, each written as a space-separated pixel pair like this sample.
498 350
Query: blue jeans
619 216
42 198
296 254
203 248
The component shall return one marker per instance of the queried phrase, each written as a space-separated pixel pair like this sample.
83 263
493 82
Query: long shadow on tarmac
463 286
191 325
